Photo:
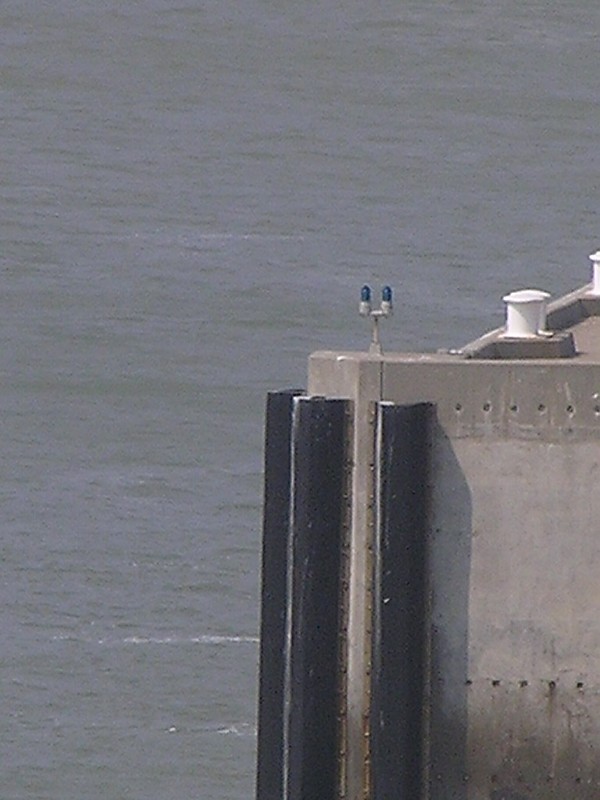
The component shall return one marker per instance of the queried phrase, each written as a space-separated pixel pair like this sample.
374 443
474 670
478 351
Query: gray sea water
191 196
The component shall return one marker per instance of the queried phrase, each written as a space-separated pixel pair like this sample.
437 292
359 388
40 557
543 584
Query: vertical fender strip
318 480
402 457
276 521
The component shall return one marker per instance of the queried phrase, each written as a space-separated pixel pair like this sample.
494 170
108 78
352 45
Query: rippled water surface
191 197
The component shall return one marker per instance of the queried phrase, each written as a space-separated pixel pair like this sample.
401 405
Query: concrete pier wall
513 561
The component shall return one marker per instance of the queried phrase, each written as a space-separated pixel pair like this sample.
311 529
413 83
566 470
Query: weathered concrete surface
514 561
533 623
360 381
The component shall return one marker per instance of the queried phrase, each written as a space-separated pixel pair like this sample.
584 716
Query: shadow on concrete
449 566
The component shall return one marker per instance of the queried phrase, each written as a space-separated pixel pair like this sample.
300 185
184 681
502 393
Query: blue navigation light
386 294
365 294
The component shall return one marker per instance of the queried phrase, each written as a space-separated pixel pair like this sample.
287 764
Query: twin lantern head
365 308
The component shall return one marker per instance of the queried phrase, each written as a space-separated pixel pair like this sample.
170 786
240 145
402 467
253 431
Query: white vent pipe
525 313
595 259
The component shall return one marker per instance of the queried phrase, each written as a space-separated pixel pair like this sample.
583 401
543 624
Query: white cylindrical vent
525 313
595 259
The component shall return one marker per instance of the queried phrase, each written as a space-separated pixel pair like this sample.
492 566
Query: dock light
366 310
386 301
364 307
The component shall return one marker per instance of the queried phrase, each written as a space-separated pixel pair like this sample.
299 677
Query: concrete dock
469 615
